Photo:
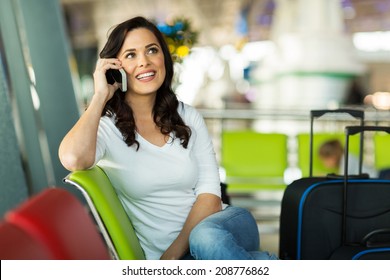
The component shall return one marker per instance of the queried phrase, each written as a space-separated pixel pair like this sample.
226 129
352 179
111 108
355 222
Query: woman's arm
77 149
205 205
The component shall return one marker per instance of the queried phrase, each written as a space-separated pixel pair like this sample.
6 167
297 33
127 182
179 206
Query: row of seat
55 225
253 160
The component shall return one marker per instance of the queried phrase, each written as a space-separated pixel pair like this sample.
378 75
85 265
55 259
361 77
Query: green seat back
382 150
254 160
304 151
109 212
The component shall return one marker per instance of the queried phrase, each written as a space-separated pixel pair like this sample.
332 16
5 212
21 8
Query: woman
158 154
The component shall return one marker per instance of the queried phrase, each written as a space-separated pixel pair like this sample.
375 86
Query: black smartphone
119 76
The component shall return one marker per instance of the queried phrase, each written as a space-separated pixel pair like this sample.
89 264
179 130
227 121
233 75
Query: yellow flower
182 51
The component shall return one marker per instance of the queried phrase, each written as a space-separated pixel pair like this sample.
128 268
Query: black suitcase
311 220
366 221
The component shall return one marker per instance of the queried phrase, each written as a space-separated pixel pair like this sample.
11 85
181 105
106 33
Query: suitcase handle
352 130
357 114
366 239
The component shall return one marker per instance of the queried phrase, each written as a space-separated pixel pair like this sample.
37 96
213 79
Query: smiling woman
146 59
143 63
158 155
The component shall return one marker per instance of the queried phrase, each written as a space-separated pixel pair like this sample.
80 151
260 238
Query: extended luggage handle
352 130
357 114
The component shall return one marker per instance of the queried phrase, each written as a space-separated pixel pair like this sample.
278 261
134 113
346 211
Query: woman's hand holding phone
117 76
101 85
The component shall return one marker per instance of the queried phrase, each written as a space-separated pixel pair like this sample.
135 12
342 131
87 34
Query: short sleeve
102 138
203 150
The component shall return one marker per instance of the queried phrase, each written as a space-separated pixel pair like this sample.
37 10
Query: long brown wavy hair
165 113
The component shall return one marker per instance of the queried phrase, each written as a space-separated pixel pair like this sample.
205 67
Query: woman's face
143 60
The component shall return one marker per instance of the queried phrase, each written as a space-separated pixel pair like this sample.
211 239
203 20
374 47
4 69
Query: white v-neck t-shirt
159 185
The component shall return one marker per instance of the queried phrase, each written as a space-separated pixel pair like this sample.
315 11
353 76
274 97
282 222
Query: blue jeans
231 234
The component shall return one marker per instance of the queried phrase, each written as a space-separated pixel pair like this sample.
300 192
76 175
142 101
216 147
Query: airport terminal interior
254 69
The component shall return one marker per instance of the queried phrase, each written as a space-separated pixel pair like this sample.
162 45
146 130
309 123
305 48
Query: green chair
254 160
382 151
304 151
108 212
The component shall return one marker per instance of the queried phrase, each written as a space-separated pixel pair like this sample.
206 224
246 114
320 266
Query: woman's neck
141 105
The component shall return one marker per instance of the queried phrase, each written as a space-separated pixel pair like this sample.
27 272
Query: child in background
331 153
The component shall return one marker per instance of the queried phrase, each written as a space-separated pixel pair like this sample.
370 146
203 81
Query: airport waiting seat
17 244
254 160
303 146
109 213
382 151
53 224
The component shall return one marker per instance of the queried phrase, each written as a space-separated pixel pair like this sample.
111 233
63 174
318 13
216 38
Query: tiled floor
265 207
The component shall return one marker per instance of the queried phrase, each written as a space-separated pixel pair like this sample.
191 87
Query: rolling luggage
365 221
311 220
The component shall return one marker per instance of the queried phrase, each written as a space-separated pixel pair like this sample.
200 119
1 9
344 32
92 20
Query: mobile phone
119 76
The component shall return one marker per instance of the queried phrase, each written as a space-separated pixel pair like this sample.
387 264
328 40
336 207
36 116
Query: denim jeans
231 234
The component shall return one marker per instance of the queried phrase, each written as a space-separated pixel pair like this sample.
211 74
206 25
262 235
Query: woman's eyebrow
152 44
146 47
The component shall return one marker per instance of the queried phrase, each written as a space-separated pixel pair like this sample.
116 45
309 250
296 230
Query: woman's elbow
73 163
211 202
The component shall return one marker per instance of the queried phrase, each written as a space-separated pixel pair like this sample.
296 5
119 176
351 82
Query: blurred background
254 50
253 66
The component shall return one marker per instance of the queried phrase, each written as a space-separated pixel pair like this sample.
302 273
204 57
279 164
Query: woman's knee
204 234
207 239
